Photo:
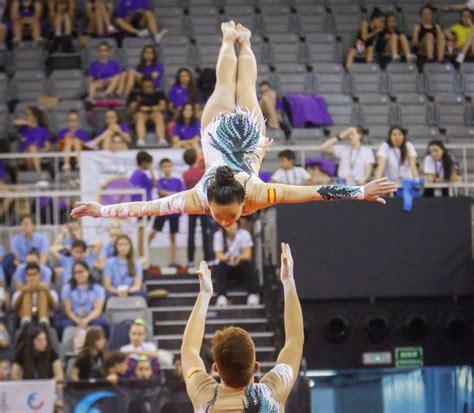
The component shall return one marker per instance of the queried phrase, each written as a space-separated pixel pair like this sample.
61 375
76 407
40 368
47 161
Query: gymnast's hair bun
224 188
224 176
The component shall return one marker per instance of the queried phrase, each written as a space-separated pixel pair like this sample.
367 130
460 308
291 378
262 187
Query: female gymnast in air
234 143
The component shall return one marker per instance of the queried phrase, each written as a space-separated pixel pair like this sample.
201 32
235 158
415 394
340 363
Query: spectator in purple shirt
104 74
136 17
34 135
26 16
149 66
183 91
113 127
72 138
99 14
140 178
187 129
167 185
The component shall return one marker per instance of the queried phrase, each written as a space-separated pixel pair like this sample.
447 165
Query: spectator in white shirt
288 173
396 158
356 161
439 166
233 249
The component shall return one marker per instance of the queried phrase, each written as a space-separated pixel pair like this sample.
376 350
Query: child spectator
183 91
5 369
233 249
149 106
22 243
33 257
428 37
83 300
167 185
149 66
123 275
116 365
35 359
62 15
113 127
26 17
138 346
34 298
187 129
140 178
461 33
109 247
288 173
394 38
143 369
104 74
191 177
72 138
34 135
396 158
99 14
118 144
356 161
136 17
270 104
89 363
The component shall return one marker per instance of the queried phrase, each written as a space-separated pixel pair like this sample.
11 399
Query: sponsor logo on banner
85 405
27 396
33 403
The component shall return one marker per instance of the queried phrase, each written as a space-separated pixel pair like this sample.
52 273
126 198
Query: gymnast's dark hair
224 188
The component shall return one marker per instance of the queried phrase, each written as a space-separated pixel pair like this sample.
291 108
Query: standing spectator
33 257
22 243
26 17
396 158
270 104
123 275
191 177
140 178
116 365
35 359
148 106
136 17
149 66
113 127
34 134
109 247
288 173
89 363
356 161
72 138
428 36
99 14
233 249
439 167
62 16
167 185
395 39
83 300
104 74
370 40
463 36
187 129
34 298
183 91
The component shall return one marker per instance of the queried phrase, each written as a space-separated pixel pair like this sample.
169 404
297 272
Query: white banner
27 396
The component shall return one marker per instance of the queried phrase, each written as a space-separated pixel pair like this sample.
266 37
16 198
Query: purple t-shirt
140 179
80 134
100 71
172 185
33 136
149 69
126 7
179 96
186 132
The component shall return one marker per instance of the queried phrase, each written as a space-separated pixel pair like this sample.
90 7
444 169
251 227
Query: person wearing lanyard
288 173
356 161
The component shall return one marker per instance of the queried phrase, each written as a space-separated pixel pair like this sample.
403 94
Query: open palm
205 280
286 272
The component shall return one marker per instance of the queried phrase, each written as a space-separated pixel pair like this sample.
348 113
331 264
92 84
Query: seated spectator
438 167
25 16
183 91
70 232
116 365
270 104
138 346
187 129
22 243
113 127
89 364
5 369
72 138
104 74
123 275
149 106
34 299
462 36
149 66
118 144
370 41
4 338
396 158
321 170
233 249
288 173
62 16
356 161
34 135
167 185
83 300
136 18
35 359
33 257
396 40
108 247
99 15
143 369
428 37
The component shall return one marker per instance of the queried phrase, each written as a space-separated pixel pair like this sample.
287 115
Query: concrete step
179 285
189 298
262 353
230 312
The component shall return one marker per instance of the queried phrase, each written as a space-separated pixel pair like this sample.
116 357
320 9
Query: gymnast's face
226 215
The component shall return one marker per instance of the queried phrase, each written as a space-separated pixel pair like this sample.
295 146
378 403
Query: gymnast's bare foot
228 31
244 34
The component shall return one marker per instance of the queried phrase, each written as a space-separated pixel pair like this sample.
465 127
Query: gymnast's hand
86 209
374 190
287 263
205 280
